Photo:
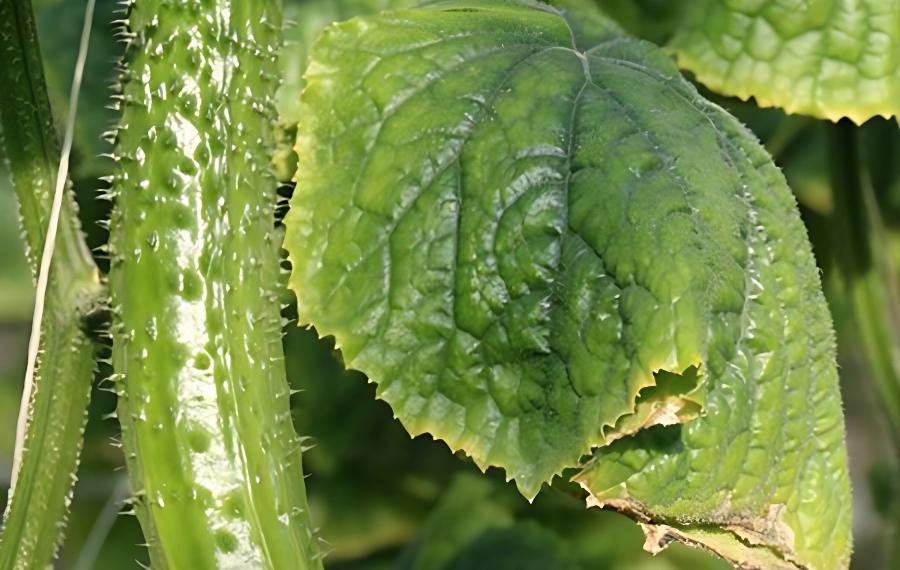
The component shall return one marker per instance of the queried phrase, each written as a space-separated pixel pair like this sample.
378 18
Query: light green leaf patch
826 58
308 18
539 240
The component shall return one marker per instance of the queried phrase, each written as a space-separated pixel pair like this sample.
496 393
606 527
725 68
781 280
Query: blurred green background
380 498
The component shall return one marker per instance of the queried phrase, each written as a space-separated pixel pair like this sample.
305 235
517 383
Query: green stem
204 402
863 262
57 407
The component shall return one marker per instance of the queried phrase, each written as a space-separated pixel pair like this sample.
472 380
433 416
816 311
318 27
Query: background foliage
387 500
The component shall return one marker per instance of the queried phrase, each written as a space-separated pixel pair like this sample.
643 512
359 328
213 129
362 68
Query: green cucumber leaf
308 18
539 242
826 58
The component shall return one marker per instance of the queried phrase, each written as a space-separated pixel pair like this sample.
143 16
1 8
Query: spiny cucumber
204 404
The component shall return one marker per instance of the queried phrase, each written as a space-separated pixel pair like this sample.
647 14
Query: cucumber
204 402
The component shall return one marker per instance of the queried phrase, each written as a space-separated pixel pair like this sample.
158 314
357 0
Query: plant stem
859 245
863 262
203 397
56 407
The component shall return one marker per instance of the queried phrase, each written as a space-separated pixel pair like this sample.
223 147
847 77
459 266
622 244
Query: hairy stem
204 403
55 403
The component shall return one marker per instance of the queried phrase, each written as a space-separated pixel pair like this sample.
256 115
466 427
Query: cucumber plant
543 244
517 287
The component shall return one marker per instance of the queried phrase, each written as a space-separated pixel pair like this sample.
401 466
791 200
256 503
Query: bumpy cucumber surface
34 517
204 403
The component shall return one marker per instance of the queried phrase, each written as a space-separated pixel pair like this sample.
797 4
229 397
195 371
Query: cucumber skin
204 402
